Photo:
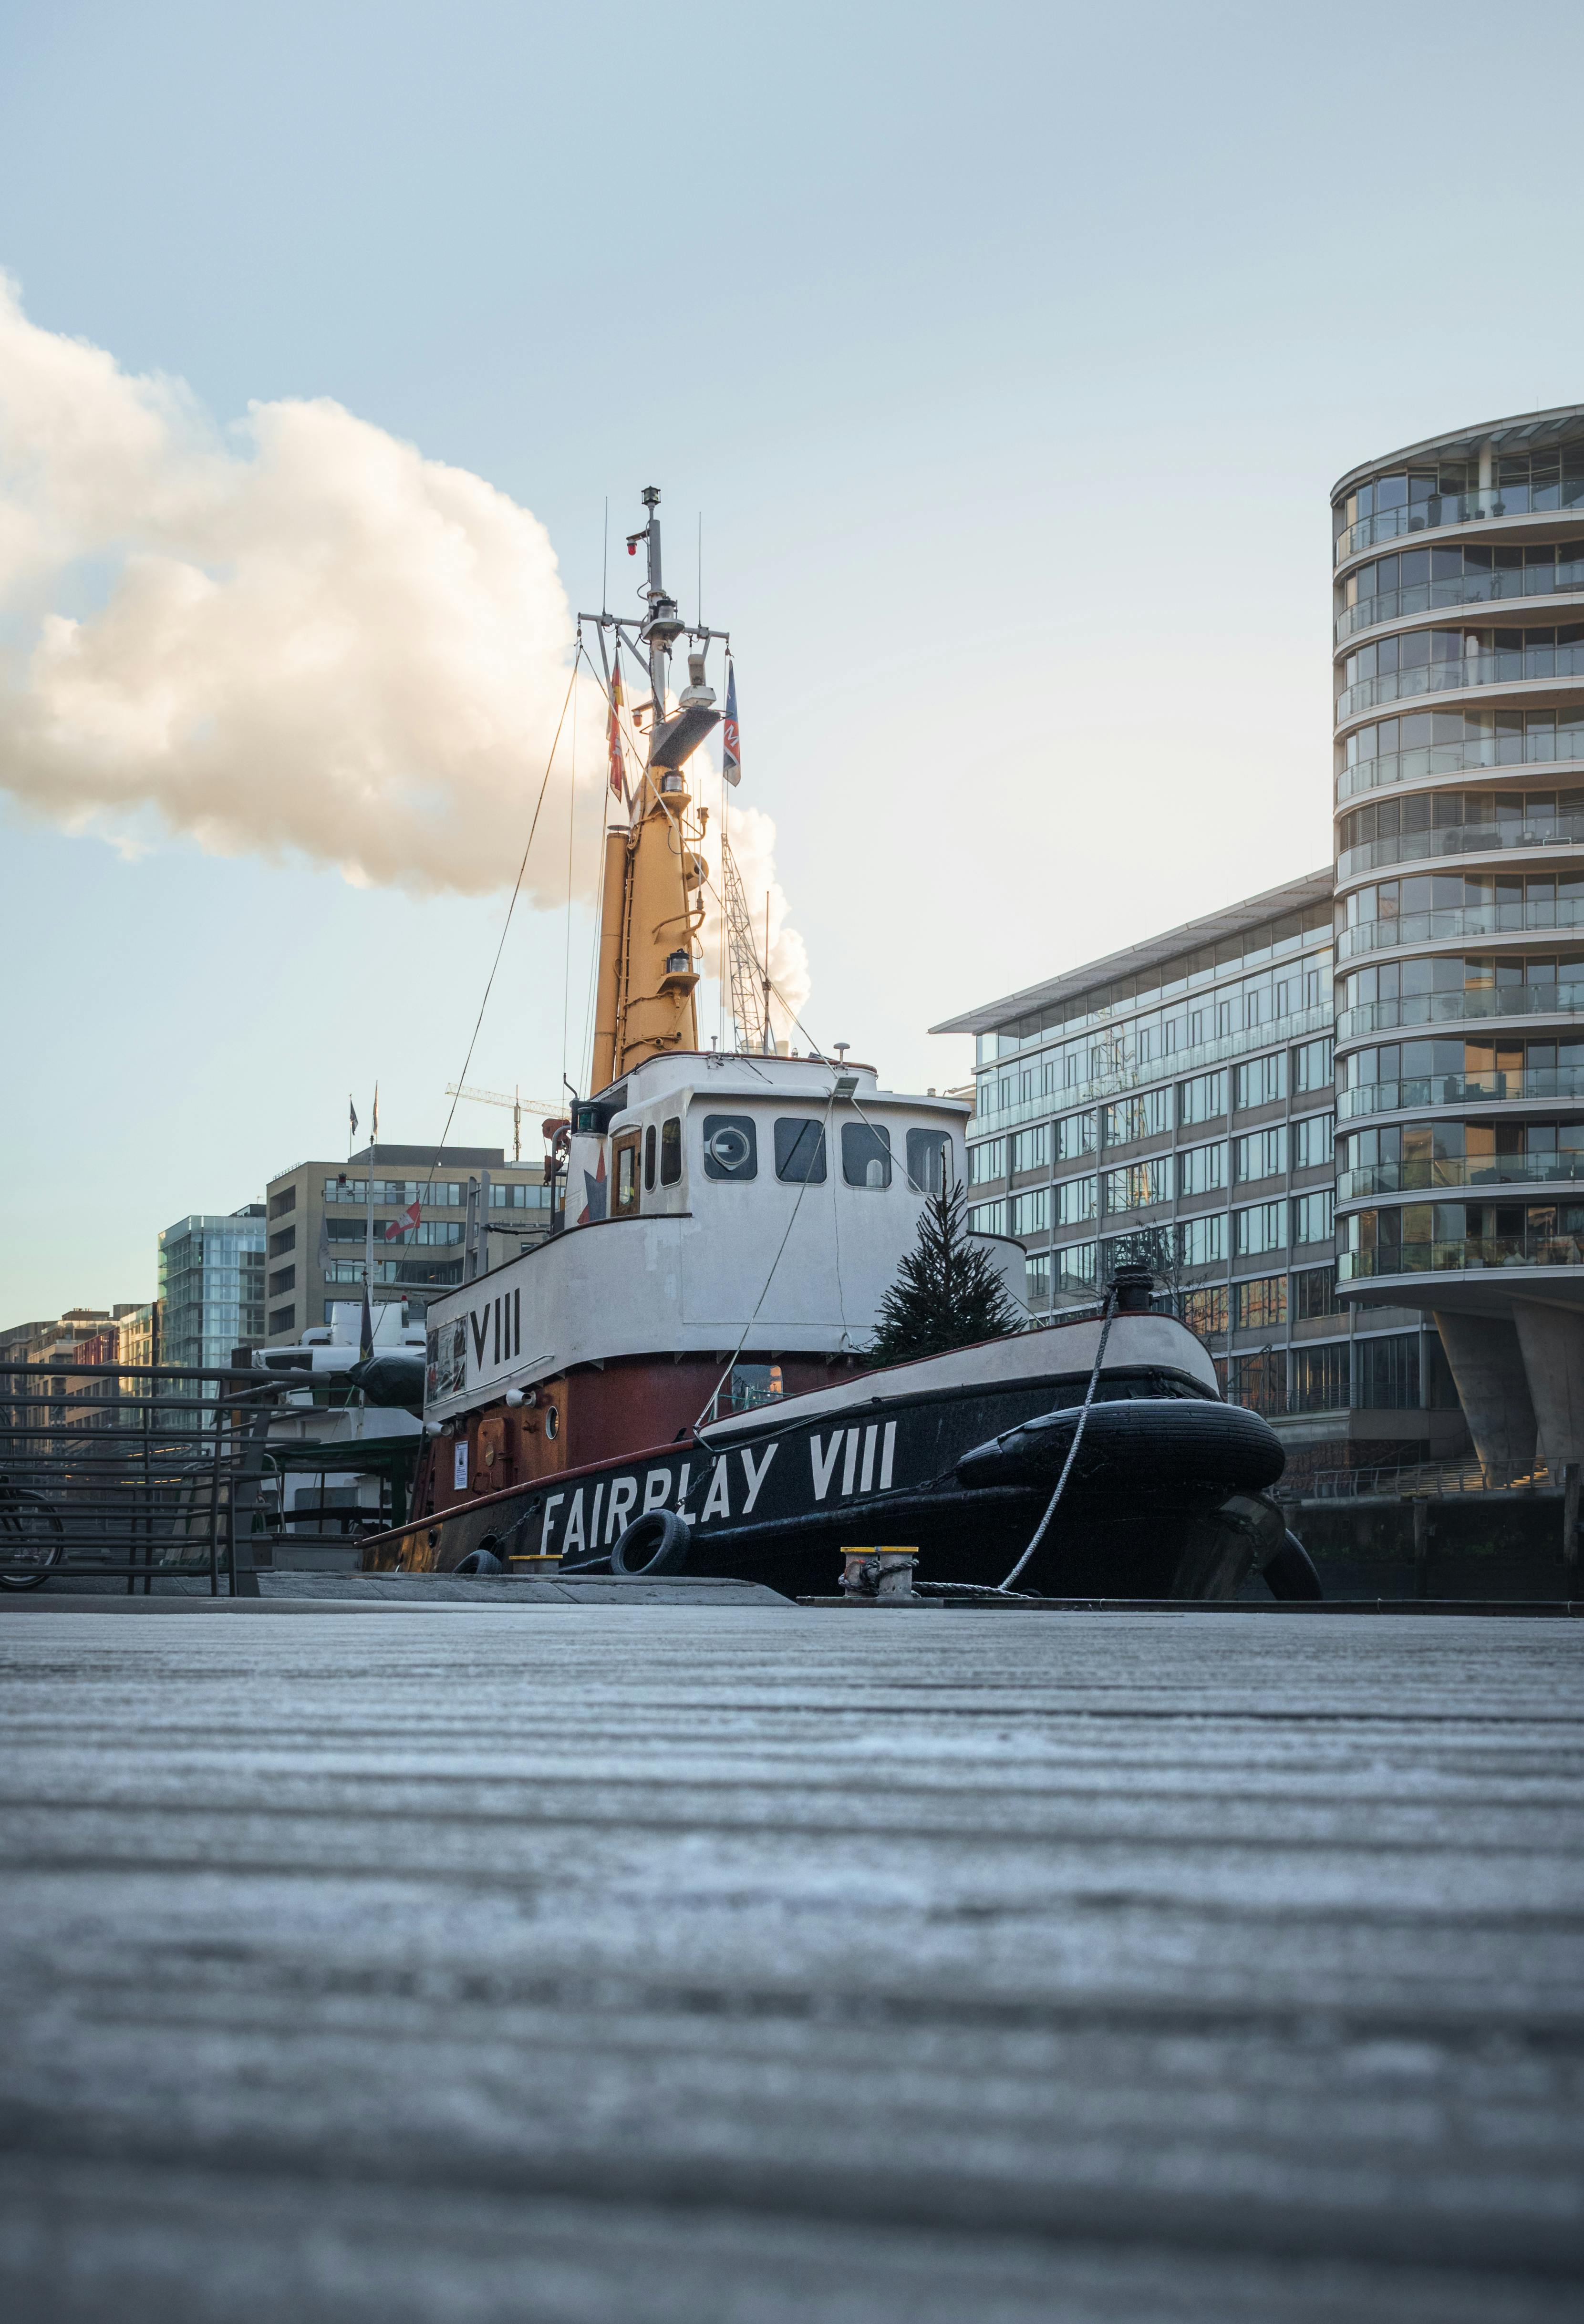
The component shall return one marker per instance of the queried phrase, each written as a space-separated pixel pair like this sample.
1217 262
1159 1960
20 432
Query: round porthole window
729 1146
552 1421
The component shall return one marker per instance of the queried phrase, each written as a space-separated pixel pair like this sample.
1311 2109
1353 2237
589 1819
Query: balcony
1506 666
1525 583
1445 509
1476 755
1563 830
1472 1254
1460 1008
1495 1087
1451 925
1460 1170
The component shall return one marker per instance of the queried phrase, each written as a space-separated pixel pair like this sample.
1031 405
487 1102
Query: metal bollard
877 1574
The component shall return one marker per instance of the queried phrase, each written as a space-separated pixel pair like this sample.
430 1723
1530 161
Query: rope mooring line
1040 1531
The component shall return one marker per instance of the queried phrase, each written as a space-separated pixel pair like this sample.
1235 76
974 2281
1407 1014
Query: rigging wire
571 831
1052 1504
720 970
505 930
770 1279
586 1051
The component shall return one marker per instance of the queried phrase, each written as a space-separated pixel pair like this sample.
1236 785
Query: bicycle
30 1537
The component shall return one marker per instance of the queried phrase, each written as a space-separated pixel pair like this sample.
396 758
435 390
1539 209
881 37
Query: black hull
776 1498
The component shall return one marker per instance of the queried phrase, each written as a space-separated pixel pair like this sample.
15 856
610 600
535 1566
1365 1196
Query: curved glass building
1459 568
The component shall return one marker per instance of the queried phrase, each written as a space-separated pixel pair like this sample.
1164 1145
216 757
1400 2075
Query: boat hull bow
956 1456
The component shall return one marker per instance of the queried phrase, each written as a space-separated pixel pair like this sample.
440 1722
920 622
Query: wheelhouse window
800 1150
866 1155
648 1159
926 1164
671 1150
626 1174
731 1147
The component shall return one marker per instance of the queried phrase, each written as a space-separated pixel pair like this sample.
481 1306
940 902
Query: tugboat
676 1380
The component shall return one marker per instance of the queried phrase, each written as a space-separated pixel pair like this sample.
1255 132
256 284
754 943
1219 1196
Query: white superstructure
714 1203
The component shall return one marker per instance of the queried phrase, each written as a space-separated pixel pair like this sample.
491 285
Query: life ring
657 1543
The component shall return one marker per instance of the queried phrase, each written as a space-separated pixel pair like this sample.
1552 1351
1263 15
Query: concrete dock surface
561 1963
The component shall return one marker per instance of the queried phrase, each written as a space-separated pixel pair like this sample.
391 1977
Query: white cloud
310 638
301 638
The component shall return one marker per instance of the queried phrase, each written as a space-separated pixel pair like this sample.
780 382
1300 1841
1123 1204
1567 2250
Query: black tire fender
481 1559
657 1543
1161 1444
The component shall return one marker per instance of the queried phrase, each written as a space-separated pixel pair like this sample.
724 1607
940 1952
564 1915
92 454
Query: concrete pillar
1553 1341
1492 1388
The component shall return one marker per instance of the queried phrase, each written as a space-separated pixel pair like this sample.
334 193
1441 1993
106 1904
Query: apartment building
1460 880
475 1209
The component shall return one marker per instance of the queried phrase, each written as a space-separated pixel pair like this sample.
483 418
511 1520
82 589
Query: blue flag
731 745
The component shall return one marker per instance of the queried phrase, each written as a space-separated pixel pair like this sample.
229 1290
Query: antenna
605 560
516 1101
750 989
770 1039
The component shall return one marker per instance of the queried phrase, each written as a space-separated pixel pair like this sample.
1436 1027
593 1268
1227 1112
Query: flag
731 745
352 1110
374 1124
618 764
404 1223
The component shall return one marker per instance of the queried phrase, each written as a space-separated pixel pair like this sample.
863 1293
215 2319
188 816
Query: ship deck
684 1962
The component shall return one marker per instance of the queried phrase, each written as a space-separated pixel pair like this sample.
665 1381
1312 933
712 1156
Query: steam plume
751 838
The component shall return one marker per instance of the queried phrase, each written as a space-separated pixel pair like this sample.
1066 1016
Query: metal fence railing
129 1472
1423 1479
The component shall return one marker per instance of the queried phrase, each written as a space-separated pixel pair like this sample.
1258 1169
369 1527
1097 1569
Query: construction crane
538 1105
750 981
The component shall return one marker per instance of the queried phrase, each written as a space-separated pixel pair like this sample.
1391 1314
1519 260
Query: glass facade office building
211 1277
1174 1105
1458 569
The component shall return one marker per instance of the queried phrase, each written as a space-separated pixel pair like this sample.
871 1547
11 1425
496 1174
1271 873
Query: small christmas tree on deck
947 1292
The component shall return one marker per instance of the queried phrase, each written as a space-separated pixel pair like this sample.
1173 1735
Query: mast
652 904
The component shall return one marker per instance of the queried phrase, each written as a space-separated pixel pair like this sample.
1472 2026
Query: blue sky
1008 354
